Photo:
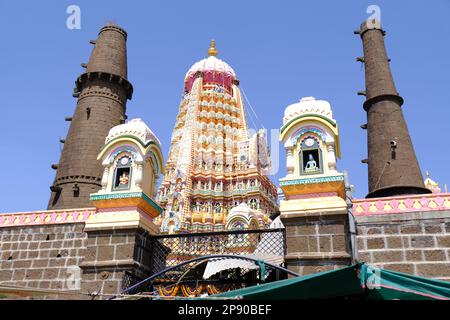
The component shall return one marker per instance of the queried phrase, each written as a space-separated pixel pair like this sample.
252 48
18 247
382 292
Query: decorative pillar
331 157
290 162
138 178
105 178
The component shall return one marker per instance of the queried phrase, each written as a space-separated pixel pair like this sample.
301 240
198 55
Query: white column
290 161
331 156
105 178
138 175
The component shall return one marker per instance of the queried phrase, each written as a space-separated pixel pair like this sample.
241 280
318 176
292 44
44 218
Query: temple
214 164
123 221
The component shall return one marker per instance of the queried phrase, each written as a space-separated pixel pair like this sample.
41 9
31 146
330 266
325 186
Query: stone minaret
393 166
102 92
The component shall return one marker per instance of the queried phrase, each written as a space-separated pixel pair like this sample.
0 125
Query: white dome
210 64
242 210
134 127
308 105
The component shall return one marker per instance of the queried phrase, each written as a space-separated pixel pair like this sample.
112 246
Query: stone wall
411 242
317 243
47 251
42 256
115 259
50 257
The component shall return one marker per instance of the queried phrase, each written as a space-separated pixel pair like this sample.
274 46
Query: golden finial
212 48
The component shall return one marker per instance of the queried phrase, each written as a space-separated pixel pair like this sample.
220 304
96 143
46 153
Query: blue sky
280 50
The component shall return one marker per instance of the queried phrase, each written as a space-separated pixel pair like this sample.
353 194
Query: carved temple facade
106 207
214 164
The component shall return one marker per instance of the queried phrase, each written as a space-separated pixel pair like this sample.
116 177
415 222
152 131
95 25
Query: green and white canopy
359 281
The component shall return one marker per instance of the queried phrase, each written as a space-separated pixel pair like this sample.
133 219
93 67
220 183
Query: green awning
359 281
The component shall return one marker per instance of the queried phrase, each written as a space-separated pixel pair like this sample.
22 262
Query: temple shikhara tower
102 93
126 221
214 164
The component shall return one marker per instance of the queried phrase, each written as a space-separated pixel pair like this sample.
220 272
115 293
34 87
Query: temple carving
214 163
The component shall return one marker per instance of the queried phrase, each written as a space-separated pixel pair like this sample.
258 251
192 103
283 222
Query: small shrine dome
242 209
136 128
308 105
132 162
242 216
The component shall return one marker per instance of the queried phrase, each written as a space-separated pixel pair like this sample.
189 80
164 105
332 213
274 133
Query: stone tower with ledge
102 92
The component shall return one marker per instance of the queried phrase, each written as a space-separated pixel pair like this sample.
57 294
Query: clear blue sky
281 51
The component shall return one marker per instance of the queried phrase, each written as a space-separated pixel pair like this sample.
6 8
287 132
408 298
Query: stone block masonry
317 243
102 93
54 251
42 256
414 242
393 168
114 259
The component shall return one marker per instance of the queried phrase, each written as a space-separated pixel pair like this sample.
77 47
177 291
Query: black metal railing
173 249
169 254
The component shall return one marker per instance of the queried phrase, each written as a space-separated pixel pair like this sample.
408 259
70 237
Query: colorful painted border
312 180
401 204
142 195
330 121
45 217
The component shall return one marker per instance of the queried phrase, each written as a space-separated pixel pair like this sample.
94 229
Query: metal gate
169 251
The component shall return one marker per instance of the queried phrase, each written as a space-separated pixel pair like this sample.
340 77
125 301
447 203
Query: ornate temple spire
212 51
213 164
393 166
102 92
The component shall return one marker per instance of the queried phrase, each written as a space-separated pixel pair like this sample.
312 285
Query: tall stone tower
102 92
215 164
393 166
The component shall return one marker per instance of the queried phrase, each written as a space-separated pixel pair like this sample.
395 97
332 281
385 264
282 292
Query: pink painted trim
361 207
212 76
8 219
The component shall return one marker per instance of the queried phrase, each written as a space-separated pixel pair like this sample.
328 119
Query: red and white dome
210 64
213 70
